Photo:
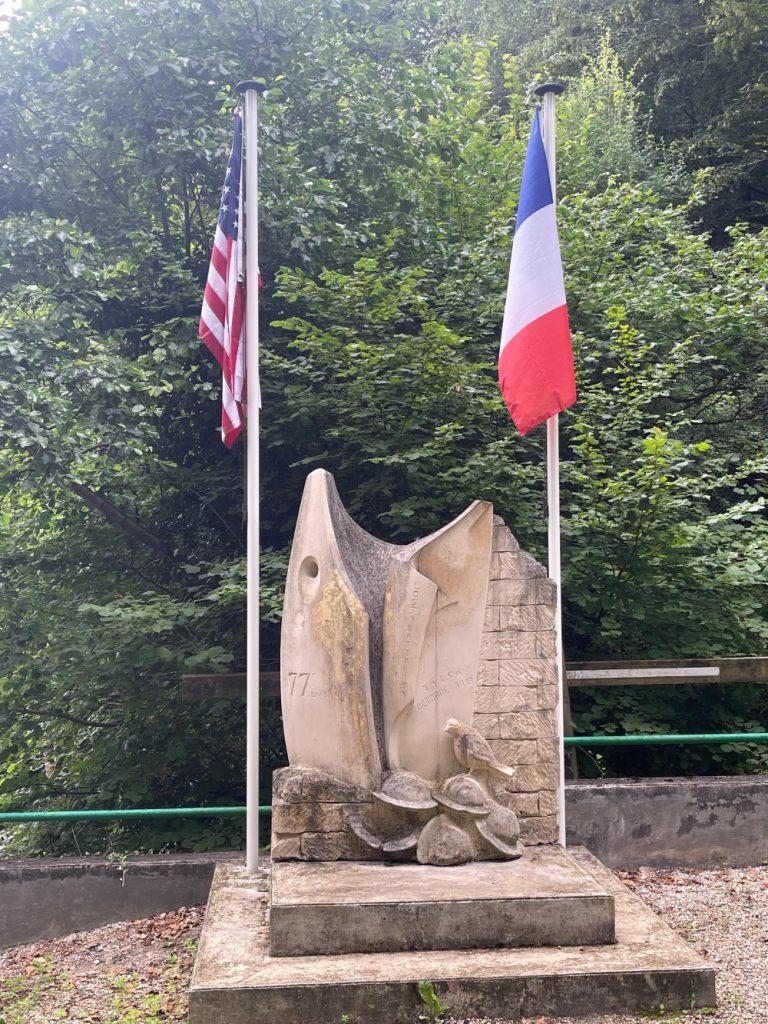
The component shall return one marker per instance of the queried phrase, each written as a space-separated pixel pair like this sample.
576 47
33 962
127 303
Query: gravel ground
138 972
134 972
724 916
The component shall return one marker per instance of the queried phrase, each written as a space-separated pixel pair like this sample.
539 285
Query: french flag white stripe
535 273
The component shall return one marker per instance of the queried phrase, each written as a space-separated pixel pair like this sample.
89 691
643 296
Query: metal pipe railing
653 738
135 812
266 809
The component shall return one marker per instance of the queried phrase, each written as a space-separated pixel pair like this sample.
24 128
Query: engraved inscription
409 641
442 685
298 682
431 698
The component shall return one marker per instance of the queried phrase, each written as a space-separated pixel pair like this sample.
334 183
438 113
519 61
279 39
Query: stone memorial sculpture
381 648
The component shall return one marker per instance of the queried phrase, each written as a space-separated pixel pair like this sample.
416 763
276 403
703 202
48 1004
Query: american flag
222 317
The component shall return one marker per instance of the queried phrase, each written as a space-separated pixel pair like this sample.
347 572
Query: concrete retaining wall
43 897
703 822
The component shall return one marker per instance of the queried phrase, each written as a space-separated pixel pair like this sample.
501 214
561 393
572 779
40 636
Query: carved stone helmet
501 831
407 791
465 796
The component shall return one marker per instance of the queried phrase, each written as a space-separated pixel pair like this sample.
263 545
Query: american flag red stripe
222 317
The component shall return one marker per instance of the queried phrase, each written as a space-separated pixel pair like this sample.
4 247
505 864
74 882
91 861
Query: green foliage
392 149
699 66
435 1008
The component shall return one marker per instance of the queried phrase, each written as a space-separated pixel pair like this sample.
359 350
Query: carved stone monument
414 833
418 692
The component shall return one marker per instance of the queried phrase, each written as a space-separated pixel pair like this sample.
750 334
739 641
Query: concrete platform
544 899
236 981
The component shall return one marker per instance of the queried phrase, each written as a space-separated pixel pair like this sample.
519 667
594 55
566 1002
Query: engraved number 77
298 676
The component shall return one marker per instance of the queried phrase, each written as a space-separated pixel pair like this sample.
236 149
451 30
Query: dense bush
391 154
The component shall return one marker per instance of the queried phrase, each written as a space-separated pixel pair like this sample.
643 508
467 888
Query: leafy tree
391 155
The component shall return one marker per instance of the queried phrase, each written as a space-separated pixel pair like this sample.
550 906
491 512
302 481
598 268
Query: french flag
535 360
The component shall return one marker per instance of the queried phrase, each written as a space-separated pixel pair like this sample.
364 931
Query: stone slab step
544 899
237 981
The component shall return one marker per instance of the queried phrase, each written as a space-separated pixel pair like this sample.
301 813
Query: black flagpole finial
556 87
250 83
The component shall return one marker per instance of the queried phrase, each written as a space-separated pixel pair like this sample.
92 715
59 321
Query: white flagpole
548 93
252 92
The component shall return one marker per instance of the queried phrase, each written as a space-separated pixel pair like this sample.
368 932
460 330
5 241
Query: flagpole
547 93
252 91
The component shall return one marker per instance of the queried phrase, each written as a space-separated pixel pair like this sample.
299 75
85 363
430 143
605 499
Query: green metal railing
135 812
265 810
652 738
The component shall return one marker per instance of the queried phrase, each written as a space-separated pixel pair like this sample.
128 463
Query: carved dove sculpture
474 751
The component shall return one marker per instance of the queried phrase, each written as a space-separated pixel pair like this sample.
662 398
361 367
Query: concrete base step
544 899
237 981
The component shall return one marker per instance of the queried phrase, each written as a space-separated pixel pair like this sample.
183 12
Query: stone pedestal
236 980
546 899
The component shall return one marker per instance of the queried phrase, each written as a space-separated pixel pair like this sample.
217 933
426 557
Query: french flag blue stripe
536 189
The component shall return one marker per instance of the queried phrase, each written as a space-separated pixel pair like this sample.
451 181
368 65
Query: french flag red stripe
537 379
535 359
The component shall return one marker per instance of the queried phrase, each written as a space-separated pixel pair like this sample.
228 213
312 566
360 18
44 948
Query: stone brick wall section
309 810
516 690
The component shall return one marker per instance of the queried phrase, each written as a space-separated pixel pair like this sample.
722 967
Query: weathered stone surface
334 846
286 784
491 618
321 909
707 822
535 831
323 788
527 672
532 778
506 699
499 833
310 785
433 616
525 805
443 844
329 714
311 817
548 750
405 791
488 726
545 645
285 847
494 699
515 752
509 644
517 693
651 966
488 673
517 565
529 617
526 725
502 536
548 803
436 651
546 698
512 592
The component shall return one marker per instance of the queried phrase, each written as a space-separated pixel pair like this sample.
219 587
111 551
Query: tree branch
119 519
63 715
